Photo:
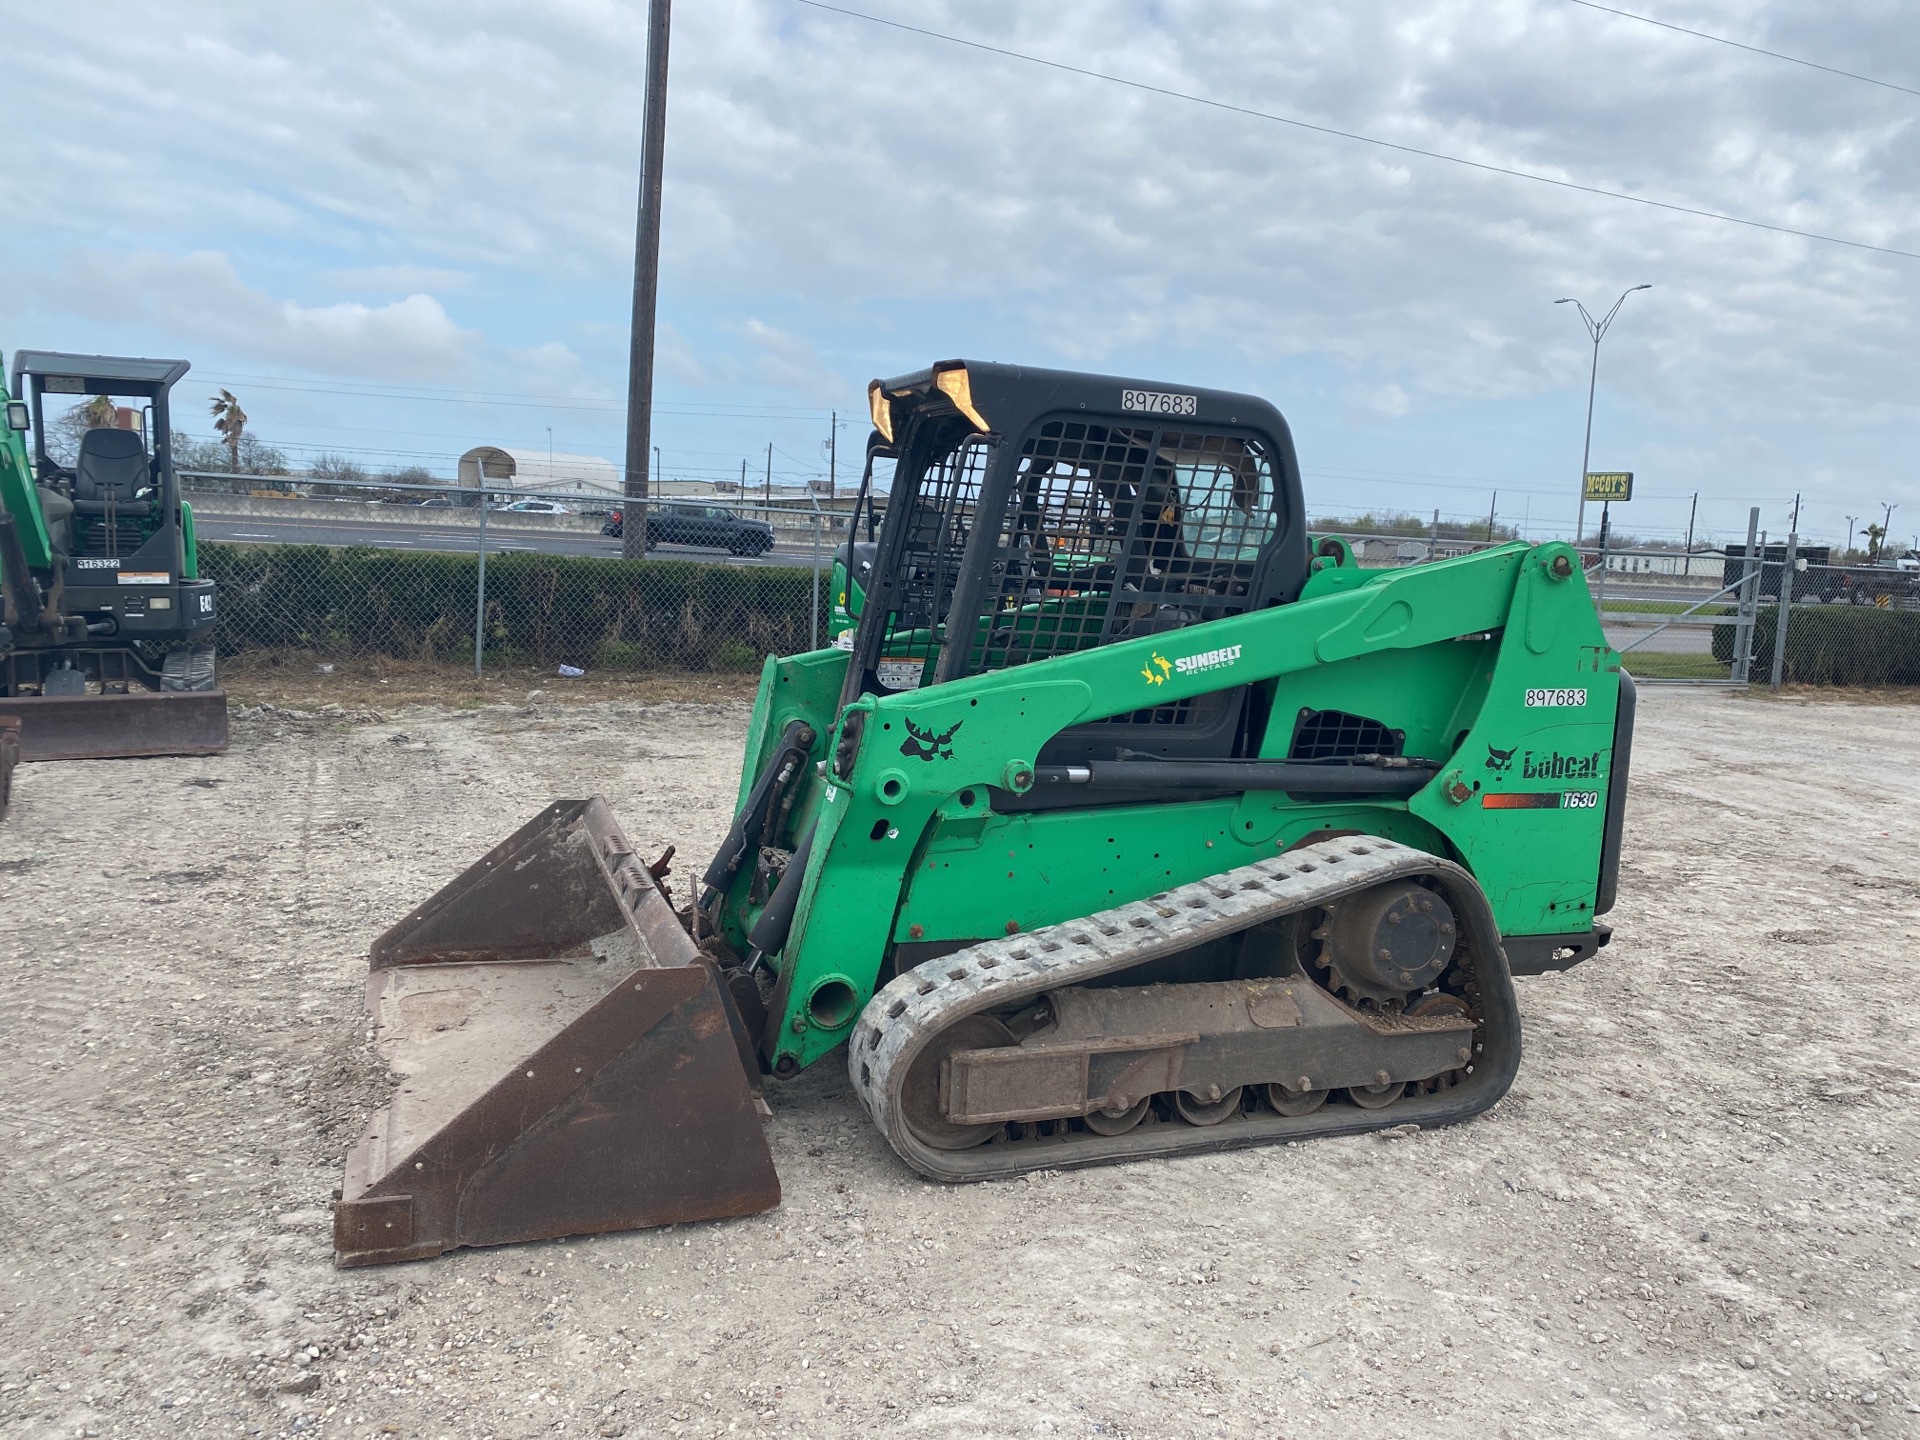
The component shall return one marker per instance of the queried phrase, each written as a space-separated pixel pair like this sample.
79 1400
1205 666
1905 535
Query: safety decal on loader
1541 800
927 745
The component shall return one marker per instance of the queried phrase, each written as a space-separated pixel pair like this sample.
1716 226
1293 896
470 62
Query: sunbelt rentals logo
1159 667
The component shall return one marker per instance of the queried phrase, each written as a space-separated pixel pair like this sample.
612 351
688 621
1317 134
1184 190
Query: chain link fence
369 571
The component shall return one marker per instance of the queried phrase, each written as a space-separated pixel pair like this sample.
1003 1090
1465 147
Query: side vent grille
1337 735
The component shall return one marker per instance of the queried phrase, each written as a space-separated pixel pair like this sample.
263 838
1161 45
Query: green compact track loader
1125 821
104 647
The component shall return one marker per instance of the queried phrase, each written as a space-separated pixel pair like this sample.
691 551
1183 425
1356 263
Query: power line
1750 49
1268 115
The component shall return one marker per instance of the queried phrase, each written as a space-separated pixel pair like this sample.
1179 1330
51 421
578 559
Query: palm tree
230 422
1875 534
99 413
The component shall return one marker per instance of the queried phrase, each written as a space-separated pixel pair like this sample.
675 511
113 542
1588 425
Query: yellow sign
1609 485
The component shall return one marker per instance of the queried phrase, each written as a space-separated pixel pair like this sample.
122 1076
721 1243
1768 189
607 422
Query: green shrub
541 609
1834 645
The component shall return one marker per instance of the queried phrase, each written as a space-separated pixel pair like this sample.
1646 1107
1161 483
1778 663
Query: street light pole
1597 329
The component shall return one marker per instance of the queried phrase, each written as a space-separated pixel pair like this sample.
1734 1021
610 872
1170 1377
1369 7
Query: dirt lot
1694 1215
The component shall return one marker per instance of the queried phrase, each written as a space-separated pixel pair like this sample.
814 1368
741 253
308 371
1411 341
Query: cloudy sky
400 229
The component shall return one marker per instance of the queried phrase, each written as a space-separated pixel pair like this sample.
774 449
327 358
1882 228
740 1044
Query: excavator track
1004 1106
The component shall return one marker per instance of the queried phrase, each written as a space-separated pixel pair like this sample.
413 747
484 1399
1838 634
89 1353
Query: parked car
437 502
712 526
535 507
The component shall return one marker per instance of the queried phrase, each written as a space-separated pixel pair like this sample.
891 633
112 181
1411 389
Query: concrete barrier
792 530
365 512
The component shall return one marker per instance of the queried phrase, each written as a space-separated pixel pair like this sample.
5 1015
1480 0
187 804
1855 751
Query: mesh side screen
1337 735
938 523
1114 532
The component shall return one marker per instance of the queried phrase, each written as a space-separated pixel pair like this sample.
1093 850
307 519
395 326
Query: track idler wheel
924 1105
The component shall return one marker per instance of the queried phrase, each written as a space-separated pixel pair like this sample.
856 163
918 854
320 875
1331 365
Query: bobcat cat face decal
930 745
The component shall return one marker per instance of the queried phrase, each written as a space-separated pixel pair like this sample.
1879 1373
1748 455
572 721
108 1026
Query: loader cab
1035 513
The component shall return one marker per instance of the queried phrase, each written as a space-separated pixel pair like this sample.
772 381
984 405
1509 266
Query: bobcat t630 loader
1127 822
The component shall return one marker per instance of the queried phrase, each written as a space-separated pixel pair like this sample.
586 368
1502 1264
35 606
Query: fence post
1749 601
813 610
1600 590
1783 616
480 597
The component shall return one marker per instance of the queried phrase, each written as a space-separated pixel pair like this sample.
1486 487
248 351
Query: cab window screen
1117 531
939 518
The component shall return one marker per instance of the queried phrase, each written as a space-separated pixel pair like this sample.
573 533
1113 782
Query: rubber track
1001 974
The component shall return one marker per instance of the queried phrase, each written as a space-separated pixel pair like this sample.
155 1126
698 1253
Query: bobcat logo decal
1500 759
926 745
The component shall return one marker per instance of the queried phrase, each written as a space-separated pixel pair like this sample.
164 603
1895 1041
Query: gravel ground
1694 1215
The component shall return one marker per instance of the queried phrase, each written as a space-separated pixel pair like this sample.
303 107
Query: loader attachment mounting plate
566 1060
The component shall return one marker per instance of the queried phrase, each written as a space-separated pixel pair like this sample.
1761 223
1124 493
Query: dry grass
299 682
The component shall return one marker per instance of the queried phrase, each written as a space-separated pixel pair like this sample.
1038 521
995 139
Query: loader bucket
113 727
9 757
567 1062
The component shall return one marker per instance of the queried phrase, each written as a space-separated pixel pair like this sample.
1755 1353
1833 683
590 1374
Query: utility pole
1492 506
1851 519
1692 510
833 440
743 480
769 480
1886 530
646 284
1794 528
1597 329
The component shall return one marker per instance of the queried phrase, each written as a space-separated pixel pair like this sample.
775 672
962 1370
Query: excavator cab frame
103 643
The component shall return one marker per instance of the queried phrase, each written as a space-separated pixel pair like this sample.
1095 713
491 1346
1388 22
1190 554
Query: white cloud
396 279
890 198
787 362
200 297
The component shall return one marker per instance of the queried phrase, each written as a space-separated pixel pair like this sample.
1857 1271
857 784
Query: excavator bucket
567 1061
114 727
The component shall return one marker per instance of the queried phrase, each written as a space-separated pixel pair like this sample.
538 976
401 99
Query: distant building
537 470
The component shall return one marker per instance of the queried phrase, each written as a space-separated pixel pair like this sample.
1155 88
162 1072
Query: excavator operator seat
111 472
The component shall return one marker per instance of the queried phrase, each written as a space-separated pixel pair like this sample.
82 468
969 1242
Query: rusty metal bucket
113 727
9 757
567 1062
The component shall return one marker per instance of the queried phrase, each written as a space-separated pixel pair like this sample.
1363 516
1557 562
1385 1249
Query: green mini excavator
104 647
1121 820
